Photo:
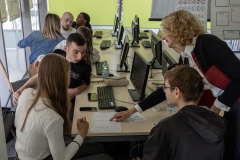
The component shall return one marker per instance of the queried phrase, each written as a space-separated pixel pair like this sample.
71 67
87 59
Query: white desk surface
120 93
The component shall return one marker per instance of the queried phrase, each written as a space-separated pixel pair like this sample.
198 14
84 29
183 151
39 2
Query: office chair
13 86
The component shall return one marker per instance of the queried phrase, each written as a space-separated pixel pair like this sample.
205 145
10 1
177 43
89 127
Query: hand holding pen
82 126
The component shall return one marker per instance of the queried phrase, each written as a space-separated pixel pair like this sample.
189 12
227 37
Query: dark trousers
232 136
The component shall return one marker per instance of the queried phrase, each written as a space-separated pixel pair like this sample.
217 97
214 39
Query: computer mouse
146 31
120 108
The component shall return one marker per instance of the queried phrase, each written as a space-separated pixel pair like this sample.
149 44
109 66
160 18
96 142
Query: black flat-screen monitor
124 66
119 36
138 77
137 20
115 25
156 44
135 37
167 62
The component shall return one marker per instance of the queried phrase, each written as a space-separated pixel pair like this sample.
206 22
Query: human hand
120 116
82 126
72 93
16 95
215 109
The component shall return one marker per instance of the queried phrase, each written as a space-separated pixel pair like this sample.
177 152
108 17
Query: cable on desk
129 31
154 74
150 88
125 102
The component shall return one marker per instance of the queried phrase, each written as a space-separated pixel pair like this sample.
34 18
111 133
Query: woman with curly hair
214 61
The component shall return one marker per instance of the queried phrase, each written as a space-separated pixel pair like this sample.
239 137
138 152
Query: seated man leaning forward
194 132
75 50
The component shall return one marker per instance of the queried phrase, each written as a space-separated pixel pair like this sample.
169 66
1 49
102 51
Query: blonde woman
43 42
42 115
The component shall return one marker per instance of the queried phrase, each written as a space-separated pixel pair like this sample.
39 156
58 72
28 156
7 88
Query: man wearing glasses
74 52
194 132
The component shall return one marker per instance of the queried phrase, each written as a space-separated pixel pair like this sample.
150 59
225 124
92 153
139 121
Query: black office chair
8 122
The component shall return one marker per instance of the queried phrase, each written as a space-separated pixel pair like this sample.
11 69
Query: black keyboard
98 34
105 44
99 69
106 98
146 44
143 35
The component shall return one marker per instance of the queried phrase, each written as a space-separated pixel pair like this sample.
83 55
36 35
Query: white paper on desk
136 117
101 123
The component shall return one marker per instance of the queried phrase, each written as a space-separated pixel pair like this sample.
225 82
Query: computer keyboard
105 44
98 34
146 44
143 35
99 69
106 98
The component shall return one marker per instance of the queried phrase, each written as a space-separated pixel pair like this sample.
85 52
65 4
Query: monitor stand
155 65
124 68
134 44
114 34
134 94
118 46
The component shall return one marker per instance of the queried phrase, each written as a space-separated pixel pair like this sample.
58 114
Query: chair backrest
3 147
6 77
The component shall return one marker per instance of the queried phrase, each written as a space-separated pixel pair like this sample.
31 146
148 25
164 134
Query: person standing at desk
194 132
214 61
80 71
66 28
43 42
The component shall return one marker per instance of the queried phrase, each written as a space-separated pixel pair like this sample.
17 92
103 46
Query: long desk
134 131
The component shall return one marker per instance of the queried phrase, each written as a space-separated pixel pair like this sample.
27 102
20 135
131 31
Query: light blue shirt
38 44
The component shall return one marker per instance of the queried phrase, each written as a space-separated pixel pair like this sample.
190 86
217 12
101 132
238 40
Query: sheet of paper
136 117
101 123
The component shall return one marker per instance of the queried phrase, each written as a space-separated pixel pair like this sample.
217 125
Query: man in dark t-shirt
75 50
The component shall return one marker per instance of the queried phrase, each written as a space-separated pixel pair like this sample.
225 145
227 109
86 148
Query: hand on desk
121 116
82 126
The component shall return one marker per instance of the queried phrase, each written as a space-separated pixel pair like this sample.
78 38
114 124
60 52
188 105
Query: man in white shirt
66 20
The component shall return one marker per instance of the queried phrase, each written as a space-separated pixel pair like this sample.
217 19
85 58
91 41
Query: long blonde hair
182 26
85 32
53 75
52 26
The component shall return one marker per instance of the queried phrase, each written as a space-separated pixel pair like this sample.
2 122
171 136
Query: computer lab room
120 80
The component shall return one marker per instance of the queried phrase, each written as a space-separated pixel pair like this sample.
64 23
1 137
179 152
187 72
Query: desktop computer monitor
156 44
123 66
136 19
139 77
167 62
115 25
135 37
119 36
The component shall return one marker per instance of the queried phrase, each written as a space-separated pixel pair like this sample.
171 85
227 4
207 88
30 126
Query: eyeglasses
165 87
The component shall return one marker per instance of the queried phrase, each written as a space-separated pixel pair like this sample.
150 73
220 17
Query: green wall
102 11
